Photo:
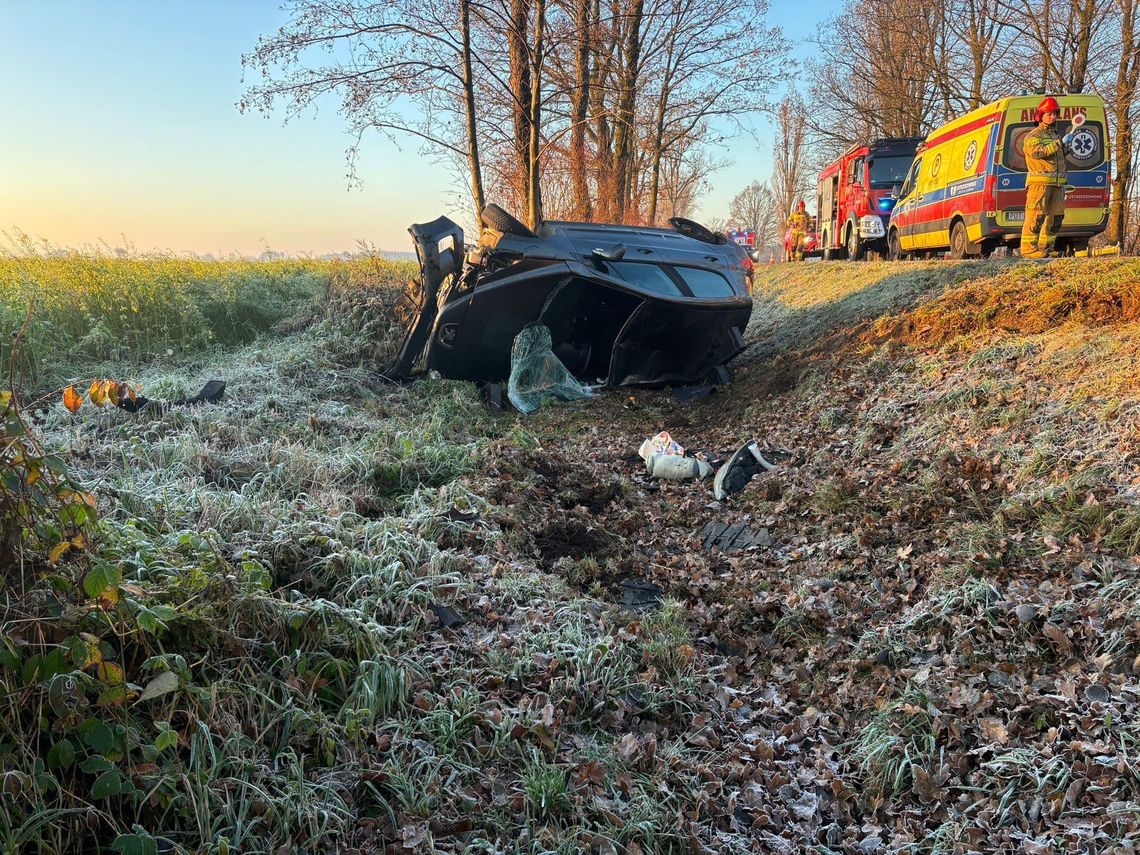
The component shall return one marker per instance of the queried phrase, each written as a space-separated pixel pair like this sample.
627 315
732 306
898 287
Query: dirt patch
1027 300
571 487
571 538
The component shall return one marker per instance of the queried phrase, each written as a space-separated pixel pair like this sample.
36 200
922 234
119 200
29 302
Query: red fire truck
856 194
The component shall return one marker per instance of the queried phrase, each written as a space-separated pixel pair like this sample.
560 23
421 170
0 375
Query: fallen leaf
72 400
994 731
1057 635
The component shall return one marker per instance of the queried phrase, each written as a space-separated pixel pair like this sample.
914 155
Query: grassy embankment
936 650
942 644
279 555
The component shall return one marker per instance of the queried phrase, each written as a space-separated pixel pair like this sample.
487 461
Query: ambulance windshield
886 171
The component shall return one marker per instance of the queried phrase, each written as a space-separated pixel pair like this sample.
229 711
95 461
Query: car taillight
746 263
989 203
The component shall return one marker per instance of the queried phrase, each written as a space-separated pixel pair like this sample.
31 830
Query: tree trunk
520 85
624 121
1127 77
659 131
534 184
469 108
579 108
603 130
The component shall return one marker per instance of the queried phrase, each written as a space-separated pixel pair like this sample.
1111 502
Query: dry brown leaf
1057 635
994 731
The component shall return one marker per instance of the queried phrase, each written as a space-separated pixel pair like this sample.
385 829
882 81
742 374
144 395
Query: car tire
494 217
894 248
855 247
959 242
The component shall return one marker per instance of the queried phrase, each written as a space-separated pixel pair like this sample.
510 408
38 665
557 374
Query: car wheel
959 243
854 247
496 218
894 248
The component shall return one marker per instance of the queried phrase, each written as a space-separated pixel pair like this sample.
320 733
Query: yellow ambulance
965 190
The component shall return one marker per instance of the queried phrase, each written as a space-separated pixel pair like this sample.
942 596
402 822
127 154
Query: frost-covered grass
257 666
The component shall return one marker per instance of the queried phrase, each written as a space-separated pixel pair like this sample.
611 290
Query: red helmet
801 205
1047 105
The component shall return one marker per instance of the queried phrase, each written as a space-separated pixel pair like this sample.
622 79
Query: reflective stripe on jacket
1044 157
798 221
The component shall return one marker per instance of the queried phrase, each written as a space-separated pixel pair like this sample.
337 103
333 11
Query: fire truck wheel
854 247
959 243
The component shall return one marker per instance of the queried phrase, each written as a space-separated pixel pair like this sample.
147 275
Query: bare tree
1123 106
980 29
789 174
364 55
874 72
599 108
755 208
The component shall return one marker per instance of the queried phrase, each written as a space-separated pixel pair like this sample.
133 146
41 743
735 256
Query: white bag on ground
660 444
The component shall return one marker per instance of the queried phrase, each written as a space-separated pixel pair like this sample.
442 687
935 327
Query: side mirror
614 253
895 190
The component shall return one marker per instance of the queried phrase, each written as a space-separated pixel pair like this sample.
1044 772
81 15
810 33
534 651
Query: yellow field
77 309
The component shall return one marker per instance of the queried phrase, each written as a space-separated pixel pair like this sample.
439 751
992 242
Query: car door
926 208
904 213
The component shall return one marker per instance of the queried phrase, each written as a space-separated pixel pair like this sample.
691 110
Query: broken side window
705 284
648 277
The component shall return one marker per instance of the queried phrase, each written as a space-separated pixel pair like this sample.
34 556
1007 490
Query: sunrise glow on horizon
120 128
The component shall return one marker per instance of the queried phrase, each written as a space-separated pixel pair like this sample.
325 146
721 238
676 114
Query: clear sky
118 124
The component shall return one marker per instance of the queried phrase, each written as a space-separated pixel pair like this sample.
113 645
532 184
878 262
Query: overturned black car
625 305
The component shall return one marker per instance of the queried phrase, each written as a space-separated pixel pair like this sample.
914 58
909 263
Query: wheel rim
958 241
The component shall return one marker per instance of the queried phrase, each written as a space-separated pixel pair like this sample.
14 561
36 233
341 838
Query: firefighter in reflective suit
1044 182
798 222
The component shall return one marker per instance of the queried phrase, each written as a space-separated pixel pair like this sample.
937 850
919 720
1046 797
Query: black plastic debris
738 470
684 394
639 595
212 393
492 394
729 537
456 515
448 617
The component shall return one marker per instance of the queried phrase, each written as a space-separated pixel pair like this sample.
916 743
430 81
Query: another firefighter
798 222
1044 182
